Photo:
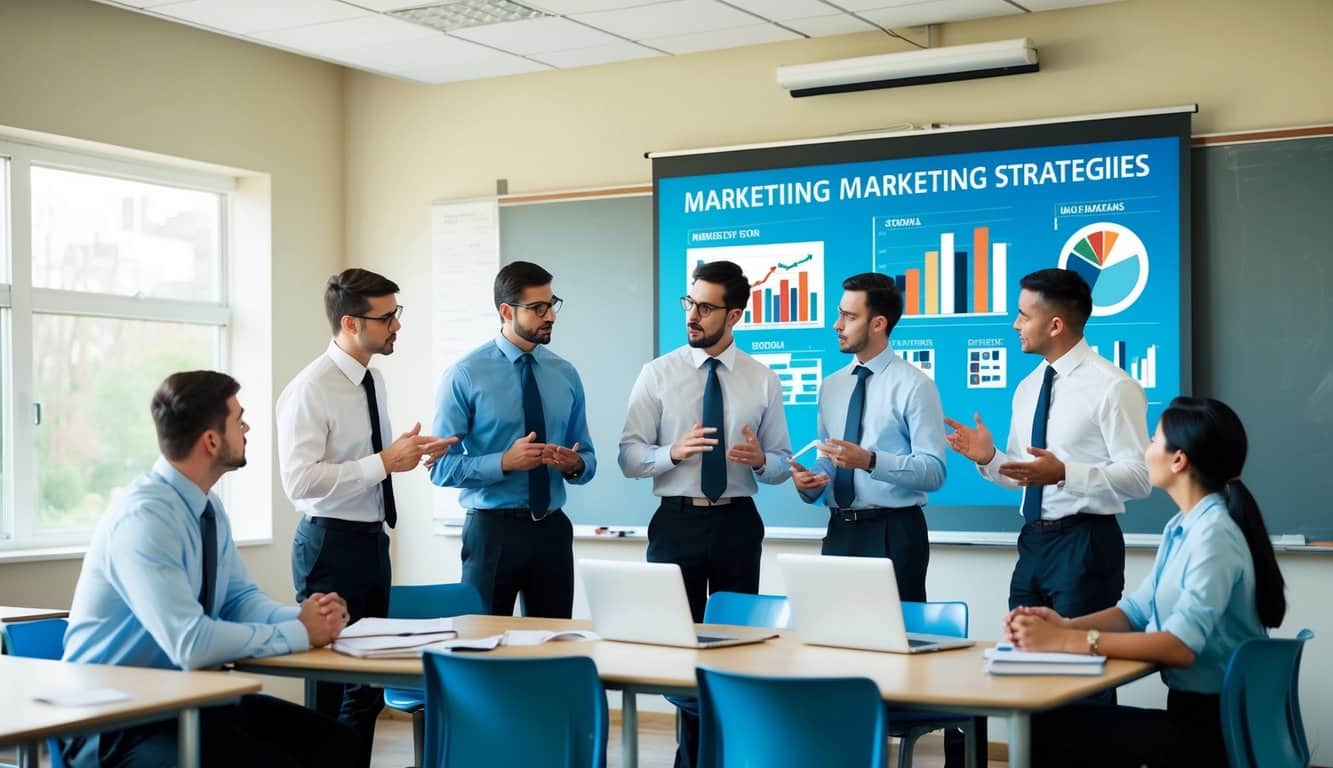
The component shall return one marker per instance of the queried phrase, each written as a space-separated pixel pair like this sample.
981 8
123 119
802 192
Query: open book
376 638
1004 660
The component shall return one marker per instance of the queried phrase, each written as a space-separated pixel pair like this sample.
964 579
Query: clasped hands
1041 629
527 454
324 615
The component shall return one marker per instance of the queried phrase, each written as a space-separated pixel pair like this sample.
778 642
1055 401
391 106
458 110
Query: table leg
187 739
310 693
629 730
978 746
28 757
1020 740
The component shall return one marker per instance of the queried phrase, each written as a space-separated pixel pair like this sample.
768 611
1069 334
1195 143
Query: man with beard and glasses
163 586
705 422
336 456
520 411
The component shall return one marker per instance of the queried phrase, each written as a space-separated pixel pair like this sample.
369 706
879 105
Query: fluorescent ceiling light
461 14
931 65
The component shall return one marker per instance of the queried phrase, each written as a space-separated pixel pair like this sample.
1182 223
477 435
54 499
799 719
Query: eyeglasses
541 308
396 314
705 309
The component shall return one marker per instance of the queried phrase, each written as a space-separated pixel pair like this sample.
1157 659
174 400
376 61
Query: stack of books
392 638
1004 660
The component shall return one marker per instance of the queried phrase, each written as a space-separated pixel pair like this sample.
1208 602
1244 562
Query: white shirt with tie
667 401
1097 426
329 467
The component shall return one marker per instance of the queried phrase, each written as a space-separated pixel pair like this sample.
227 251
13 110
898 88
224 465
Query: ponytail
1269 585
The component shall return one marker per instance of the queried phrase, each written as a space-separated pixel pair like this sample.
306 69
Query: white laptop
852 602
645 603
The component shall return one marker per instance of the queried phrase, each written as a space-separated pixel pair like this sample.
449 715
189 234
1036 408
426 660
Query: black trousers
1076 566
257 732
351 559
1187 733
898 534
718 550
506 553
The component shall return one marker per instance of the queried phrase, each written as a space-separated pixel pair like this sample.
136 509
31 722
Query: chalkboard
1262 281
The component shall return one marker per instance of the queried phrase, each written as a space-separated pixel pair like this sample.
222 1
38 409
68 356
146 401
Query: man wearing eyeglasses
521 413
337 455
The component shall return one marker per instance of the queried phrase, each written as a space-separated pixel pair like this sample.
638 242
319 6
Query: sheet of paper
83 697
488 643
387 642
812 444
539 636
372 627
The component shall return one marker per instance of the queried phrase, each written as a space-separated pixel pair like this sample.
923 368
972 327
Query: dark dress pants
258 732
1188 733
718 549
351 559
506 553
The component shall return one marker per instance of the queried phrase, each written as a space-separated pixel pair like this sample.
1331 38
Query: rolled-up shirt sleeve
1207 583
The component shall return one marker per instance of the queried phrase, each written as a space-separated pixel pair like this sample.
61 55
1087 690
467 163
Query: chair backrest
433 601
789 722
748 610
43 639
1261 713
948 619
519 713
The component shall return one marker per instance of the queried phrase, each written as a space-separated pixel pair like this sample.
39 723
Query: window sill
41 554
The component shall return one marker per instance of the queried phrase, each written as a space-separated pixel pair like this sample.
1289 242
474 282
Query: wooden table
13 613
157 694
948 681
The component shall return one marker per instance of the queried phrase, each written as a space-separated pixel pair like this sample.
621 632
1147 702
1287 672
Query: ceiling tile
439 59
338 36
393 5
1051 5
572 7
537 36
828 26
677 17
621 50
781 10
937 12
714 39
245 17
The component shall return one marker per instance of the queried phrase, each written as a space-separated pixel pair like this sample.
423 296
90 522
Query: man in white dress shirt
336 456
1077 438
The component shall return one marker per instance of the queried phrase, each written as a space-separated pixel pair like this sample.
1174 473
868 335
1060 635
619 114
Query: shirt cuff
1185 631
1132 614
294 633
1077 478
662 460
991 469
372 469
490 468
775 469
287 613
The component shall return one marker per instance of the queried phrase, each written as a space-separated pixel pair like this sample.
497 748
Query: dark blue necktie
844 480
1032 494
713 479
377 444
208 523
534 420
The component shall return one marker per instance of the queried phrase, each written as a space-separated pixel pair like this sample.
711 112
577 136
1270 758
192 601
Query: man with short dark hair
162 586
337 457
521 413
883 432
1078 434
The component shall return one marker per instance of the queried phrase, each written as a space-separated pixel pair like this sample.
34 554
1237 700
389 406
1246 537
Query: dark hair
517 277
882 296
186 405
1211 435
349 291
735 287
1066 291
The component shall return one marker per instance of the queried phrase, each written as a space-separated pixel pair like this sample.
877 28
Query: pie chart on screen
1112 259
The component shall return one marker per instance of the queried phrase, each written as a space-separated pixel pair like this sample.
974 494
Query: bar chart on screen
786 282
943 270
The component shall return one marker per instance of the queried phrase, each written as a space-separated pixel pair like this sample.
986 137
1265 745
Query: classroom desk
950 681
12 613
158 694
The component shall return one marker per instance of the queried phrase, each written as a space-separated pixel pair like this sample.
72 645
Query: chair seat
405 699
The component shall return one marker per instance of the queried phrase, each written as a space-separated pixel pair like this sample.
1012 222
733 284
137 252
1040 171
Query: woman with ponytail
1214 585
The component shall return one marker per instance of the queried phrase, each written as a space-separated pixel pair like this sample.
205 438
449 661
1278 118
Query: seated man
162 586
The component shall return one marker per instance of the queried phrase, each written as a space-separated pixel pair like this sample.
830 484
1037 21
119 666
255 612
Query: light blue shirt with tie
137 600
903 424
481 400
1201 589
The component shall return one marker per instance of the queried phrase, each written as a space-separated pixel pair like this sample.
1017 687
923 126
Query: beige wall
1248 65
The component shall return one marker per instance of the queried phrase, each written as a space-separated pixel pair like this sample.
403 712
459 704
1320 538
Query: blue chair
43 639
789 722
1261 711
948 619
514 713
748 610
425 601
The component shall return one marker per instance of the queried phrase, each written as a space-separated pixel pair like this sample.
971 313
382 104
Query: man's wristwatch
1094 636
873 456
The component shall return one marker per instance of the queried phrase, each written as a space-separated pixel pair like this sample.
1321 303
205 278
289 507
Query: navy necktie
377 443
844 480
534 420
1032 494
208 524
713 478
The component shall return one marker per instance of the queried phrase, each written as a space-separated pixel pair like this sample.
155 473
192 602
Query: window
113 276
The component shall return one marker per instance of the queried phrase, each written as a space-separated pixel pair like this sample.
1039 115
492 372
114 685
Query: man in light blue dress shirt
520 411
163 586
890 455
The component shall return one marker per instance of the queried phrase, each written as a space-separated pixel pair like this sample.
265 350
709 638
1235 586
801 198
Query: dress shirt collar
512 351
1198 512
1073 358
191 494
727 358
351 368
877 364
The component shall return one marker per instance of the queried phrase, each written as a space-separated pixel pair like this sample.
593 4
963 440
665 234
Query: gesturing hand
804 479
523 455
566 460
749 452
406 452
845 455
1043 470
975 443
698 440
